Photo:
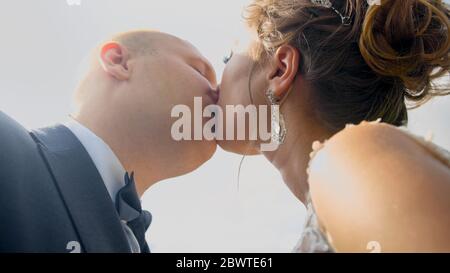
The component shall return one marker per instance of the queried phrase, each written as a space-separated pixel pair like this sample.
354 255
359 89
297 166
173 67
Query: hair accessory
346 20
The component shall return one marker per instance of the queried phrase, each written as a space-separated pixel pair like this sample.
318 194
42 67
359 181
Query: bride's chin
238 147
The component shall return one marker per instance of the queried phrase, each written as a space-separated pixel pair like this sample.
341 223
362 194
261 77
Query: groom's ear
114 59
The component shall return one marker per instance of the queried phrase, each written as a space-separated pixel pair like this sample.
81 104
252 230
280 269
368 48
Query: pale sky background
44 45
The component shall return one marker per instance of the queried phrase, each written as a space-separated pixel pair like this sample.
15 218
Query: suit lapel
83 190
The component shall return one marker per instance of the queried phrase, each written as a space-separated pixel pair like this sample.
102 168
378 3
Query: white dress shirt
107 163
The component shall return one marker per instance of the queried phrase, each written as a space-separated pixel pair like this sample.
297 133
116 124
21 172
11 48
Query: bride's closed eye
228 57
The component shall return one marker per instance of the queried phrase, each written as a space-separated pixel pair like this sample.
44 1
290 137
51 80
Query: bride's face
242 83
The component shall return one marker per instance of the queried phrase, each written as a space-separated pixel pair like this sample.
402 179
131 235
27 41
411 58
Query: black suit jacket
52 198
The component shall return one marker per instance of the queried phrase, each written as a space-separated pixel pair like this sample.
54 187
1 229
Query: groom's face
172 74
176 71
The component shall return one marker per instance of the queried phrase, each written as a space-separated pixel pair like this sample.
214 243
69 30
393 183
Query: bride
342 73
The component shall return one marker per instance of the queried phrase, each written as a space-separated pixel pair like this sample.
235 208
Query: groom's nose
211 75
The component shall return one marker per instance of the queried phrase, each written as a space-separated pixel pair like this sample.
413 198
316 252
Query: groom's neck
116 133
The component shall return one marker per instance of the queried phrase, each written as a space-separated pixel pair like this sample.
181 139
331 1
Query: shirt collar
107 163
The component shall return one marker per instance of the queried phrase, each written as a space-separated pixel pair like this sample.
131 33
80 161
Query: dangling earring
278 126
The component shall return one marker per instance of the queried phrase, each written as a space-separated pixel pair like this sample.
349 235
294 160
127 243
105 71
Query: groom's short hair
139 42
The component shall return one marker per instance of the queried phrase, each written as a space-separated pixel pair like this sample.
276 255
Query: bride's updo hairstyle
381 61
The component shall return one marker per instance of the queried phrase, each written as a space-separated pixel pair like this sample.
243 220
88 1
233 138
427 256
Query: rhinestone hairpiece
346 21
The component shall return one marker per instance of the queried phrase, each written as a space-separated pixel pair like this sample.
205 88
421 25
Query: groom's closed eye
205 69
200 69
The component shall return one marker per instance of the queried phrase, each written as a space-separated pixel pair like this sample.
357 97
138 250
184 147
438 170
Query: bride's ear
114 60
283 70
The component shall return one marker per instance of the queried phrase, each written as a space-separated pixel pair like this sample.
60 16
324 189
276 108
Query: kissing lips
214 94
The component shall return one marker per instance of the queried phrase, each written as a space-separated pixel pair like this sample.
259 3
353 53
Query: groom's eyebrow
194 56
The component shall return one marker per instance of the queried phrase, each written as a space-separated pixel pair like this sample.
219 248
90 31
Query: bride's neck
292 157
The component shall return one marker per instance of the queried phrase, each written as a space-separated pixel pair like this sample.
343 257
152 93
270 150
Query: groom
75 187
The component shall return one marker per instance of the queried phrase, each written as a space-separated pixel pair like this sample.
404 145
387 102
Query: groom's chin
202 152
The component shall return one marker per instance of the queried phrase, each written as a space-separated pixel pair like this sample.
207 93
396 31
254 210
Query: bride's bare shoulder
375 184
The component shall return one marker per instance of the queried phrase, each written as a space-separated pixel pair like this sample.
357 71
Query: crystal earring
278 126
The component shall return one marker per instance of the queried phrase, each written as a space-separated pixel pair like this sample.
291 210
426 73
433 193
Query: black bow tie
130 211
